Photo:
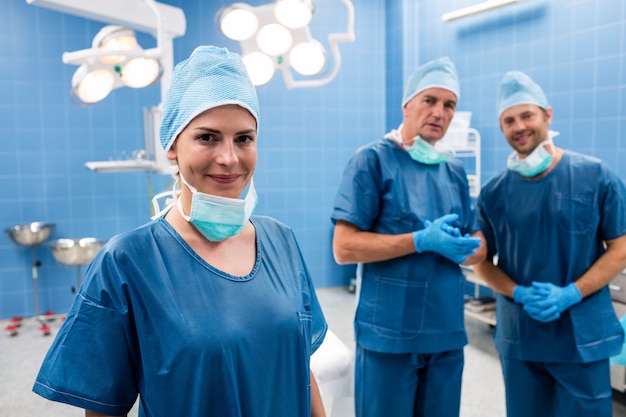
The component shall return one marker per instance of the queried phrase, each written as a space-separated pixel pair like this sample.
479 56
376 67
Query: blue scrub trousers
557 389
408 385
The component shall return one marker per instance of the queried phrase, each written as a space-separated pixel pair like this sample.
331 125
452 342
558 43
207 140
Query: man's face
428 115
525 126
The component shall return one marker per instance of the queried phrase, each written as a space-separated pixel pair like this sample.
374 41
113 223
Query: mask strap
169 202
179 206
191 187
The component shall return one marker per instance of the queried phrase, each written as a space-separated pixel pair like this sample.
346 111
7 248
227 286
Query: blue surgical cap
210 77
438 73
518 88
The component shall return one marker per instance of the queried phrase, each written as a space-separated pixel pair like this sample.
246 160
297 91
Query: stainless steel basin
76 251
31 234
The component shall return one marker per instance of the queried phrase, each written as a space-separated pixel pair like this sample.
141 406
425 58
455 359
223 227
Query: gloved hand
449 229
445 239
552 300
523 294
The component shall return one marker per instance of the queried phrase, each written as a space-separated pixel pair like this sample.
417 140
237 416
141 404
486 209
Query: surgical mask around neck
534 164
424 152
421 151
218 218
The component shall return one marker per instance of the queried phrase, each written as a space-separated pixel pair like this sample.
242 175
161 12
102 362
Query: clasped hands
441 237
544 301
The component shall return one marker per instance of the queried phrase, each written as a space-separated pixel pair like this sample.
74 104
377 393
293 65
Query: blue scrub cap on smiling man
518 88
210 77
438 73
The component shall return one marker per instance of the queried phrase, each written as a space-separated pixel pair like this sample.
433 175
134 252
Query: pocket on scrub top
399 307
589 319
576 212
512 321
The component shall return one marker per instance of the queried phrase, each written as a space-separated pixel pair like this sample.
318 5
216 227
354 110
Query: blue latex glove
524 295
445 239
449 229
552 300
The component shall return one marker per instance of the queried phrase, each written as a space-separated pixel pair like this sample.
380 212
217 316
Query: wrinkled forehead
436 93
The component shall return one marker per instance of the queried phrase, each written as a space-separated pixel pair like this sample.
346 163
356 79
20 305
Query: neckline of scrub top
207 265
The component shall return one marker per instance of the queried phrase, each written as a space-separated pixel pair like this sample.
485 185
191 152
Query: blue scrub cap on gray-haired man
438 73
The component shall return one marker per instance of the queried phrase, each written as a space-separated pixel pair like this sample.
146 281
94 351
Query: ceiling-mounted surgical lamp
115 60
120 62
277 36
117 46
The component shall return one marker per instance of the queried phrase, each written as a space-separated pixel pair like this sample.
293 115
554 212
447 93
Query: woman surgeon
205 311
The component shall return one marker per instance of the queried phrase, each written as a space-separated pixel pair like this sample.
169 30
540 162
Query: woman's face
216 153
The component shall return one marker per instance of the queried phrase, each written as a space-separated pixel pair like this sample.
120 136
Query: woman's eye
207 137
244 139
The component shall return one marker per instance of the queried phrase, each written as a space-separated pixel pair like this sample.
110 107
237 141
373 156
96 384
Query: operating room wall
575 49
305 139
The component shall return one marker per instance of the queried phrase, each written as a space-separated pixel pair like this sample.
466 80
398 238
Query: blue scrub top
414 303
552 230
153 318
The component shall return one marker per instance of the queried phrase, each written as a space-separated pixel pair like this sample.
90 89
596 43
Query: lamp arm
348 36
79 57
82 56
159 22
333 40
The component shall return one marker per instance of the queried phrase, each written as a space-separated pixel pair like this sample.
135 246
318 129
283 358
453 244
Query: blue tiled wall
574 48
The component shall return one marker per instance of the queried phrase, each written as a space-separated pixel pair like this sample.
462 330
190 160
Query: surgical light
274 39
114 38
276 36
118 45
140 72
239 23
293 13
114 60
263 67
92 86
307 58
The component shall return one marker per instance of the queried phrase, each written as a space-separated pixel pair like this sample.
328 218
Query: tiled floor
482 396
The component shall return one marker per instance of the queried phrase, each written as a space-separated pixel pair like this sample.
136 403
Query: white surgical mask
218 218
534 164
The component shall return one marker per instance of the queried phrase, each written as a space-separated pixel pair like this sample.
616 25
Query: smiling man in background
556 220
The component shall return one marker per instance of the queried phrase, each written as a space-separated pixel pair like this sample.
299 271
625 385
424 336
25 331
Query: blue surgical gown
552 230
153 318
414 303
